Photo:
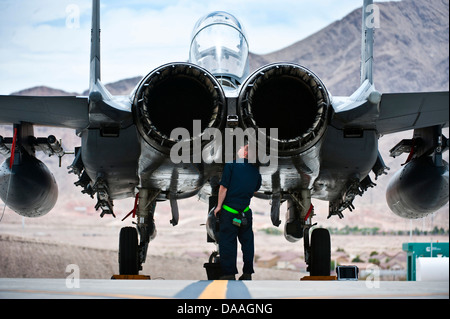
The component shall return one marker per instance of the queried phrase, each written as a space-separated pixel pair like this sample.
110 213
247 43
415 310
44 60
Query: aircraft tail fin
95 45
370 21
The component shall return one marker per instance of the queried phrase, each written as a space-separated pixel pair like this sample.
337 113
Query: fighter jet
326 147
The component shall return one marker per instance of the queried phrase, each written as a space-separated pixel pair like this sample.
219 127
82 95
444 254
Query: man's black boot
246 277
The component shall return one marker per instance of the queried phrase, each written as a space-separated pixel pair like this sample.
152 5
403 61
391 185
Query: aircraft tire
320 252
128 251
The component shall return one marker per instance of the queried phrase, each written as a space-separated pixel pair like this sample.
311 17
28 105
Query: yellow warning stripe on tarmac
215 290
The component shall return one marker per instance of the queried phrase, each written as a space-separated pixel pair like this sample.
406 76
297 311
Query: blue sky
46 42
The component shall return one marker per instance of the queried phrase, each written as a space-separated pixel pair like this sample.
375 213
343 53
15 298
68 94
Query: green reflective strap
233 211
229 209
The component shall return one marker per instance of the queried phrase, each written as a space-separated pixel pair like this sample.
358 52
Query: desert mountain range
411 54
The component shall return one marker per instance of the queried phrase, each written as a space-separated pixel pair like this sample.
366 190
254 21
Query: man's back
242 180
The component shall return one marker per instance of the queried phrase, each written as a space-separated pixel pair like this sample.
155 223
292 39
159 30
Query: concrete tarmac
23 288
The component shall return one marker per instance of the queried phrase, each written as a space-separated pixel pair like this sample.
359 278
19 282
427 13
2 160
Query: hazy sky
47 42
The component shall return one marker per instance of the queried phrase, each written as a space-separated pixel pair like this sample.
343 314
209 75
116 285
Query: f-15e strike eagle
325 146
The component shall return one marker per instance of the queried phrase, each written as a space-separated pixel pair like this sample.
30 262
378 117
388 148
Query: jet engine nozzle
29 188
288 97
173 96
418 189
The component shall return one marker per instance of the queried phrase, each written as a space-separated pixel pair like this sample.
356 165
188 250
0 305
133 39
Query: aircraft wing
61 111
405 111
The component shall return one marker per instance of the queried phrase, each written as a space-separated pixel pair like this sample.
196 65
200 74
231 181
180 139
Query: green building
416 250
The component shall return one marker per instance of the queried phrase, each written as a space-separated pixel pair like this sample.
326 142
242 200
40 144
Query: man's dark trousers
228 236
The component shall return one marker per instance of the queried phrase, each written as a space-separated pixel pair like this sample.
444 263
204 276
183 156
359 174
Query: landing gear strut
213 270
133 242
317 247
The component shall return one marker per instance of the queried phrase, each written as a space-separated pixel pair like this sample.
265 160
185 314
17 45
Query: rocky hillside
410 52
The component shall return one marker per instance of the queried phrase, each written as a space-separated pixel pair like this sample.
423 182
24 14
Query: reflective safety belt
233 211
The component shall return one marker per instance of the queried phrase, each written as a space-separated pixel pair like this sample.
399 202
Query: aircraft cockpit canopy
219 44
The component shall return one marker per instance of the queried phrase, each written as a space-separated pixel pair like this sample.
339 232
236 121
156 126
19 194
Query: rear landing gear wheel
320 252
128 251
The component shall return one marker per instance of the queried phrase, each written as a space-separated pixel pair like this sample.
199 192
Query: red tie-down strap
133 211
411 152
309 212
13 149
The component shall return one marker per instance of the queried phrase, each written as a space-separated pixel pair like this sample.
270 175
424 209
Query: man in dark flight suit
240 180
